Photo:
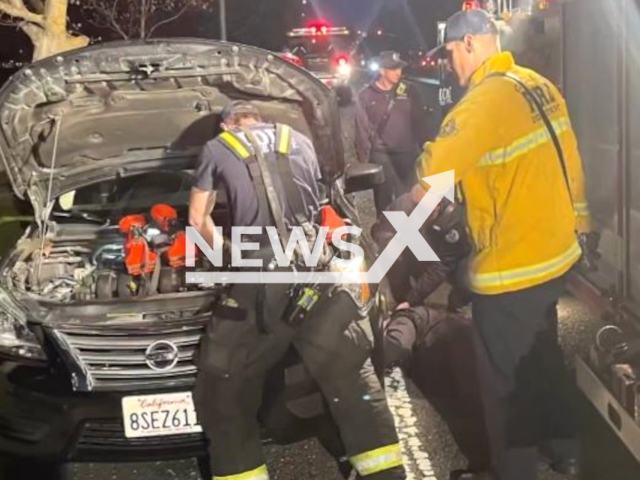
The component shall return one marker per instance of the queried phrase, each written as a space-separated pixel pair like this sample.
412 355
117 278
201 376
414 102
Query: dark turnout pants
399 174
334 343
439 358
525 384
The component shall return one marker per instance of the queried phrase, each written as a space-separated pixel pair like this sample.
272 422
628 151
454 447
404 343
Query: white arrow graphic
408 227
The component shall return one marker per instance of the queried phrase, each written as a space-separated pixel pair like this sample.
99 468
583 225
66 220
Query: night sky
413 20
416 19
356 13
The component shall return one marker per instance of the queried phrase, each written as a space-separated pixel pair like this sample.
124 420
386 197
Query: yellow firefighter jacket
520 215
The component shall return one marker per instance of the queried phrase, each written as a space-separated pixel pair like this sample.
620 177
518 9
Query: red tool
330 218
139 258
166 217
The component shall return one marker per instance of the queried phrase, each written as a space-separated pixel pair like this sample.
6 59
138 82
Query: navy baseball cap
463 23
239 107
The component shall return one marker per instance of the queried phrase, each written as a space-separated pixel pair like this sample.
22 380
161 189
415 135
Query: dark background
405 24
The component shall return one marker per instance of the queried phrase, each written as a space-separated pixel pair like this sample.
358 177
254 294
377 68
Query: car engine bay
112 242
145 254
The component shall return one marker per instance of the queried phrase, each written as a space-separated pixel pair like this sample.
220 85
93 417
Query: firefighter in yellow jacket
519 173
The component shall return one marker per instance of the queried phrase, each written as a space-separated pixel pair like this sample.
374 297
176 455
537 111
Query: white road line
415 455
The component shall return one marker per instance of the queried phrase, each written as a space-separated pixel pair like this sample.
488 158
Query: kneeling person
434 346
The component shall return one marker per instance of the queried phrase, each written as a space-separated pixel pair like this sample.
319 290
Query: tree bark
55 38
47 31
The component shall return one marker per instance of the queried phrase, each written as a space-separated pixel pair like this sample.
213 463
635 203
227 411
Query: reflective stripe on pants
259 473
375 461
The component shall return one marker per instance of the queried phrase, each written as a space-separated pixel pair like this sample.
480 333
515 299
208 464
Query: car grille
107 436
116 358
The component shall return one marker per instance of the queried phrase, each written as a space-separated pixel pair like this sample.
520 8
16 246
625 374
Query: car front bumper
48 424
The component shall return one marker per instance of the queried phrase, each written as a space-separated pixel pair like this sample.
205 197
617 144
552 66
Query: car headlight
16 340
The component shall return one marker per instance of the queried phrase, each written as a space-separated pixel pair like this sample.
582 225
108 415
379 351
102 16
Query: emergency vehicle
327 52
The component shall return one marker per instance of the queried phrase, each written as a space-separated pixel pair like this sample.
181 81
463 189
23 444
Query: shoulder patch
449 129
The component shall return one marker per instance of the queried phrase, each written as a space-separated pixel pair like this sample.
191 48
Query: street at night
439 277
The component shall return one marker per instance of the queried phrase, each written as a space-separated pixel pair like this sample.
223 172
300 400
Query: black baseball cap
463 23
391 60
239 107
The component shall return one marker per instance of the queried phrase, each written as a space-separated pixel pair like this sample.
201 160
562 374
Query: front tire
204 468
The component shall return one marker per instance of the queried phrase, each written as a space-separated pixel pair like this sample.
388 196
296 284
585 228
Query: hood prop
43 222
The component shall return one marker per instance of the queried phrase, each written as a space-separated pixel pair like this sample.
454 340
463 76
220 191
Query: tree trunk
53 37
51 43
50 37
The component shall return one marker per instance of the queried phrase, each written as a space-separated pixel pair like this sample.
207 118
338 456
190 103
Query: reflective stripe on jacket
520 215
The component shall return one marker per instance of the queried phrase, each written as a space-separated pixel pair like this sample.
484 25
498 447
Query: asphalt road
429 448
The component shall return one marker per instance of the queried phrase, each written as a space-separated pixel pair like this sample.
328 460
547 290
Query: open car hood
125 107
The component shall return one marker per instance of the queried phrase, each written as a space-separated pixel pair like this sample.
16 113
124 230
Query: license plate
157 415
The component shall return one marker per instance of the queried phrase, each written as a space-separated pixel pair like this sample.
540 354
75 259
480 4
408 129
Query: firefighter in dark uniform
236 353
390 128
434 346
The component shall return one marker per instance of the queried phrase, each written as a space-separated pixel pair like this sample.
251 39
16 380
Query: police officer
390 128
434 346
251 332
518 169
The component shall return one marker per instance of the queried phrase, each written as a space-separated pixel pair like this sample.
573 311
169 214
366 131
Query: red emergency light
319 28
342 60
471 5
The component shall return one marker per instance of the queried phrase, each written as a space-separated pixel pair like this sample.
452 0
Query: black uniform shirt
219 167
404 130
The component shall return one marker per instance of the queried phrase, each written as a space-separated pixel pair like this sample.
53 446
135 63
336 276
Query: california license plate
156 415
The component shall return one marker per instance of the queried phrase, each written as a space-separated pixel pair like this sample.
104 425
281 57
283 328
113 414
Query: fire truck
327 52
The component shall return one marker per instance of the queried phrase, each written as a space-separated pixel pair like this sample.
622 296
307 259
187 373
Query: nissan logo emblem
161 356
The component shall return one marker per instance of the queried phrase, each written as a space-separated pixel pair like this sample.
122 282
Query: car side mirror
359 177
